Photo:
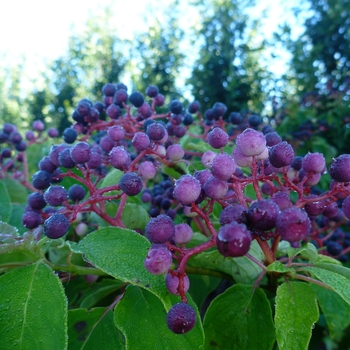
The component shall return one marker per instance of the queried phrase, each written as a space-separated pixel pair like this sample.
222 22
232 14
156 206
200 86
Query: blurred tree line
227 48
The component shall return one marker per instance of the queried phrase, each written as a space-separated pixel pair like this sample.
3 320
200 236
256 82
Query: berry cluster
124 133
13 146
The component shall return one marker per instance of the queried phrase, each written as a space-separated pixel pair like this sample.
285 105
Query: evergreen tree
321 55
158 54
227 69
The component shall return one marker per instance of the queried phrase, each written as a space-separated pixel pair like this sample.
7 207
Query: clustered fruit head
136 144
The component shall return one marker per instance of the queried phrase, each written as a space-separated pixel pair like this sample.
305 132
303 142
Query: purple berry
46 164
202 176
30 135
119 158
331 210
65 159
272 138
262 215
187 119
181 318
136 99
145 110
122 86
175 107
147 170
106 143
207 158
235 118
160 229
131 184
217 138
293 224
31 219
172 283
233 212
254 120
314 208
159 100
41 180
81 152
334 248
109 89
152 91
116 132
107 101
36 201
56 226
223 166
175 152
69 135
76 193
215 188
218 110
346 207
155 131
282 199
158 260
15 137
120 97
183 234
38 125
187 189
194 107
233 240
240 159
55 152
251 142
297 163
340 168
314 163
281 155
55 195
95 161
113 111
140 141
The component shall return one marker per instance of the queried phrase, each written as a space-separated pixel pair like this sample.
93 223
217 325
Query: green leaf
18 193
111 179
93 329
121 253
174 172
17 252
296 313
201 286
98 291
240 318
199 146
5 203
16 217
335 310
327 259
33 309
282 249
339 269
339 283
277 266
242 269
134 216
308 252
149 330
6 229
